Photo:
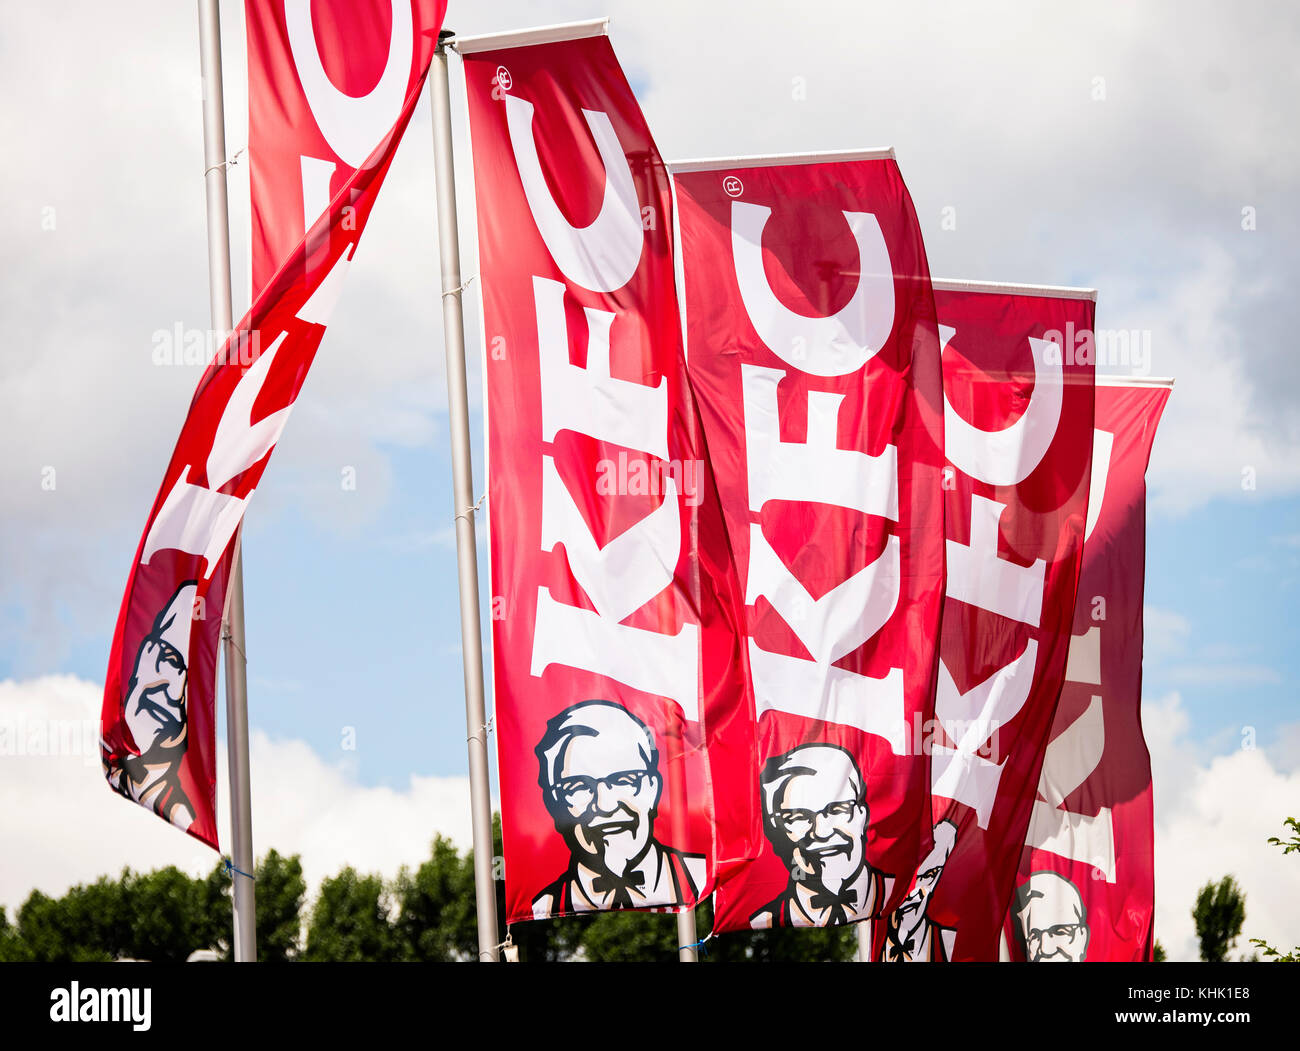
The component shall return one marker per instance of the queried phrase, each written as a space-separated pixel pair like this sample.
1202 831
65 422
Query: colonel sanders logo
1051 922
155 715
815 815
599 774
910 936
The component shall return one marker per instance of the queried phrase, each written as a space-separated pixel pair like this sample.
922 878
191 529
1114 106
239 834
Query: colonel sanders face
816 815
155 702
600 779
1051 919
912 911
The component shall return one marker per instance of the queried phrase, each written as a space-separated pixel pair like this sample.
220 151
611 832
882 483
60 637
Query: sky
1144 150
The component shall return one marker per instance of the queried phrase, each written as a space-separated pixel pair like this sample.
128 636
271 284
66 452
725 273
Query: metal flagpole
453 327
686 951
864 942
214 176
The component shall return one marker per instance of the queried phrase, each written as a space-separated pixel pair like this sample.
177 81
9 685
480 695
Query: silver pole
241 813
453 327
686 951
864 941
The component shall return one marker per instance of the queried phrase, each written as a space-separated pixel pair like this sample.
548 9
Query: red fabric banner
159 714
1086 886
614 598
812 348
1018 389
327 81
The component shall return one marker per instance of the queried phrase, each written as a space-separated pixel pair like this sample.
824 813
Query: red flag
159 720
813 353
1086 886
614 597
1018 390
327 80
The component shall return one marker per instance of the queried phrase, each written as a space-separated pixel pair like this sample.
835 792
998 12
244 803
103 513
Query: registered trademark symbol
503 78
732 186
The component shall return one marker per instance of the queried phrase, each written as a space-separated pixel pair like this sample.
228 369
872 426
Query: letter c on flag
603 256
1008 456
832 346
353 126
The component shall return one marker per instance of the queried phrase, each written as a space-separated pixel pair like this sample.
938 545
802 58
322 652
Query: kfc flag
1086 887
1018 417
810 332
159 716
327 80
615 602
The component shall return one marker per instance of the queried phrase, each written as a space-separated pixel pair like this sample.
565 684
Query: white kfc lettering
604 255
1008 456
1074 755
816 470
980 577
1069 761
353 125
971 719
628 571
1103 444
639 564
839 343
590 400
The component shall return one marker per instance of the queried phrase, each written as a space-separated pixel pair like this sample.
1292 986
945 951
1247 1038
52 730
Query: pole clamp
487 728
229 640
226 163
469 512
460 287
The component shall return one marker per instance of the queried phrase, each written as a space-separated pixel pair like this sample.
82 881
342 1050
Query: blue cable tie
230 867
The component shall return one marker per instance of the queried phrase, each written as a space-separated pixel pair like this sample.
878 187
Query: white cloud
1165 633
1213 818
1167 645
61 825
1285 752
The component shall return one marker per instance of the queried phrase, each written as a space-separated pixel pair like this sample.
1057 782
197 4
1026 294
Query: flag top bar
1054 291
1104 380
468 45
713 164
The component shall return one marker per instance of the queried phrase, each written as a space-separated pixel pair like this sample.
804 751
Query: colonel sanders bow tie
621 886
839 904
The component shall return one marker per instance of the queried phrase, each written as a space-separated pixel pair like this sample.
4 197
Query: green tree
7 938
1219 914
350 921
436 918
280 893
627 937
84 925
1290 845
161 916
279 898
169 915
1158 954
